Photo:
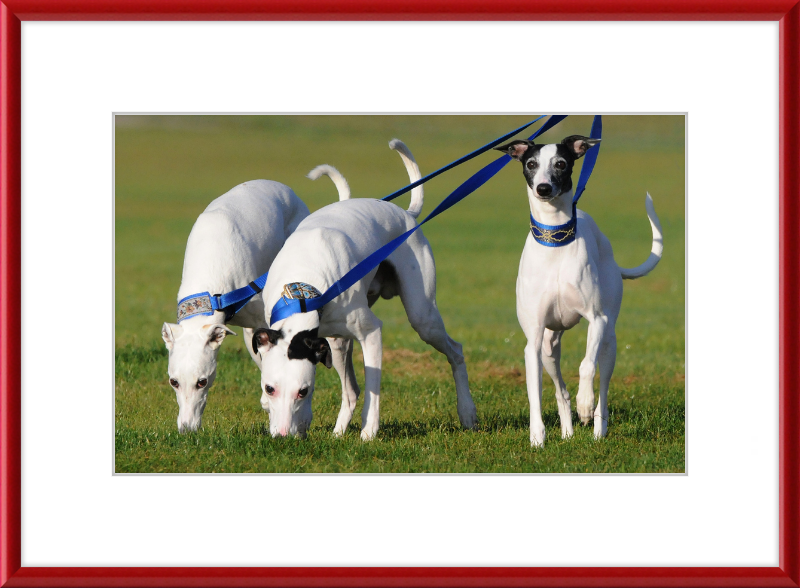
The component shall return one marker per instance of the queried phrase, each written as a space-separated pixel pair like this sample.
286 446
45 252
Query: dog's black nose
544 189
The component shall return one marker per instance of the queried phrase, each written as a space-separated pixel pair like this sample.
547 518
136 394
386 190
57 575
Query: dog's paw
585 410
468 415
537 435
600 426
368 435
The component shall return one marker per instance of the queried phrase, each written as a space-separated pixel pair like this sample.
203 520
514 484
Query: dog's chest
549 289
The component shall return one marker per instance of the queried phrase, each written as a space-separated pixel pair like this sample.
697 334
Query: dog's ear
170 332
321 349
579 144
265 338
515 149
216 334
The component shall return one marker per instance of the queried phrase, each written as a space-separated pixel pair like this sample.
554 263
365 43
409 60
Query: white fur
232 242
556 287
337 178
323 248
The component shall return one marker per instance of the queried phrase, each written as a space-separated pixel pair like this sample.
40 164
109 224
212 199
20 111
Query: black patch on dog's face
557 169
308 345
557 178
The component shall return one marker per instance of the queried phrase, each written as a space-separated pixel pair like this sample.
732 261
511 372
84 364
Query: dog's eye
269 389
531 164
303 392
201 383
173 382
561 165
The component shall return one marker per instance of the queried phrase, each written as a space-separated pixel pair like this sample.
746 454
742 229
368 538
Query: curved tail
338 179
412 168
655 252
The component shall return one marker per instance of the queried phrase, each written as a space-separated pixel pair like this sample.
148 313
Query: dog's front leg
533 377
247 337
342 351
369 335
606 362
585 397
551 358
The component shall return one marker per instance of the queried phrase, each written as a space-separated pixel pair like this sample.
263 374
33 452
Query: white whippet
232 242
557 285
323 248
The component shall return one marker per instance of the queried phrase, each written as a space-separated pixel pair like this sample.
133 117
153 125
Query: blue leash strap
287 307
458 162
233 302
590 159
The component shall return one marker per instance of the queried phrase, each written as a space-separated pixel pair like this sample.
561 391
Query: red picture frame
12 12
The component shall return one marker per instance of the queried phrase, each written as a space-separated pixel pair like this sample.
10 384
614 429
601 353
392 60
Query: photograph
273 315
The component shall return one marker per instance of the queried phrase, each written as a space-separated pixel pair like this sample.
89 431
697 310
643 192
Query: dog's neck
553 212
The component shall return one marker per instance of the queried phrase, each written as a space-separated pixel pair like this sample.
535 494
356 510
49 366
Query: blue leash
203 303
286 307
561 235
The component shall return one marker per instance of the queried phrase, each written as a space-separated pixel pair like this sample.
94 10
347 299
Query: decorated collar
299 291
555 235
195 305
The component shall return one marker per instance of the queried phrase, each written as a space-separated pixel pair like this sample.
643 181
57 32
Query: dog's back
238 235
328 243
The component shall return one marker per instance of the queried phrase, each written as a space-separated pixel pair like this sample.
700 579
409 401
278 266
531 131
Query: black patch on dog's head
569 150
308 345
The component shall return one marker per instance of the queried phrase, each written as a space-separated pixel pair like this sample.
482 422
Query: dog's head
289 358
193 349
548 168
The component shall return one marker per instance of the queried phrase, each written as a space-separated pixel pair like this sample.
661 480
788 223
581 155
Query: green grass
169 168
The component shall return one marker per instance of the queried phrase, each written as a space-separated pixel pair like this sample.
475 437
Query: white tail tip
338 179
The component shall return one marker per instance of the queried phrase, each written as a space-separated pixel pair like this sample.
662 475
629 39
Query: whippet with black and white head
567 272
322 250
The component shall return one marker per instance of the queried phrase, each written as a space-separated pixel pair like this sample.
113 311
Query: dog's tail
412 168
655 252
338 179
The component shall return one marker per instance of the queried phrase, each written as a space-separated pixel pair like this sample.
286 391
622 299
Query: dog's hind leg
247 337
342 357
551 359
416 274
606 361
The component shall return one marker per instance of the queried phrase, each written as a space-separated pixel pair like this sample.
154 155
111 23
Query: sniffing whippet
232 242
323 248
567 271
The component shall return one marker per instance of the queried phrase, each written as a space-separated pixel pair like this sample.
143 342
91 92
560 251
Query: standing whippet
567 272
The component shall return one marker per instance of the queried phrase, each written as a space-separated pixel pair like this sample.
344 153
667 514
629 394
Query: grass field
167 169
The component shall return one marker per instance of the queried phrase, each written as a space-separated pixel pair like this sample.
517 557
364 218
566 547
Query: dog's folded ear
216 334
579 144
322 351
170 332
265 338
515 149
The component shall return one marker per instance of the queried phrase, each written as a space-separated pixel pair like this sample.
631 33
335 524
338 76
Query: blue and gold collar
555 235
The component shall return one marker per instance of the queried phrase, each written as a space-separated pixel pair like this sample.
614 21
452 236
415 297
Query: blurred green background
167 170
